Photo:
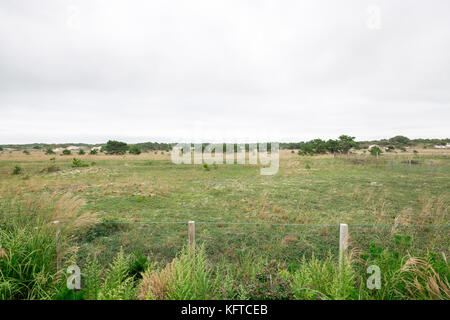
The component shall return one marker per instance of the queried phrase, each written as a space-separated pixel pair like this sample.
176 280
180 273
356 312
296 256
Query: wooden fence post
343 241
432 166
392 163
191 229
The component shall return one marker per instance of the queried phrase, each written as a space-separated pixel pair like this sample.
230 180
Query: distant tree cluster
154 146
402 142
319 146
135 150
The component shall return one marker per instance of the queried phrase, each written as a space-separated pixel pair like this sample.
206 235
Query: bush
49 151
77 163
135 150
375 150
81 152
93 152
17 170
66 152
26 152
115 147
400 141
51 168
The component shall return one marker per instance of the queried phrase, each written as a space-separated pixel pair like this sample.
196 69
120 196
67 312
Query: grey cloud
222 70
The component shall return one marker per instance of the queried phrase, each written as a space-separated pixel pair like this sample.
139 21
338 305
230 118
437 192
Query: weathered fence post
191 229
377 158
432 166
392 163
343 241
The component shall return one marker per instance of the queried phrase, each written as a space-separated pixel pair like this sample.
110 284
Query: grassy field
140 206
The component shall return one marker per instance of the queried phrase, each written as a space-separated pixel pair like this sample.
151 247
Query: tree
49 151
93 151
135 150
305 148
400 141
81 152
346 143
66 152
319 146
375 150
333 146
115 147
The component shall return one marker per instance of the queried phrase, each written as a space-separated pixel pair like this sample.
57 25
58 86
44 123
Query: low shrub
135 150
52 168
375 151
17 170
77 163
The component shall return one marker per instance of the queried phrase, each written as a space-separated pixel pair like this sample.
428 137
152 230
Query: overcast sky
230 70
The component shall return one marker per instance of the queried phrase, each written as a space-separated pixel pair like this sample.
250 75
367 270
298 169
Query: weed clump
17 170
77 163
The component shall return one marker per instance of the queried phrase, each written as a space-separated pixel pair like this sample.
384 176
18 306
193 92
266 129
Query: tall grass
36 233
188 277
323 279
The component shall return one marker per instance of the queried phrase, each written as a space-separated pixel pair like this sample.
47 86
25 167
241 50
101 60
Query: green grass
144 202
